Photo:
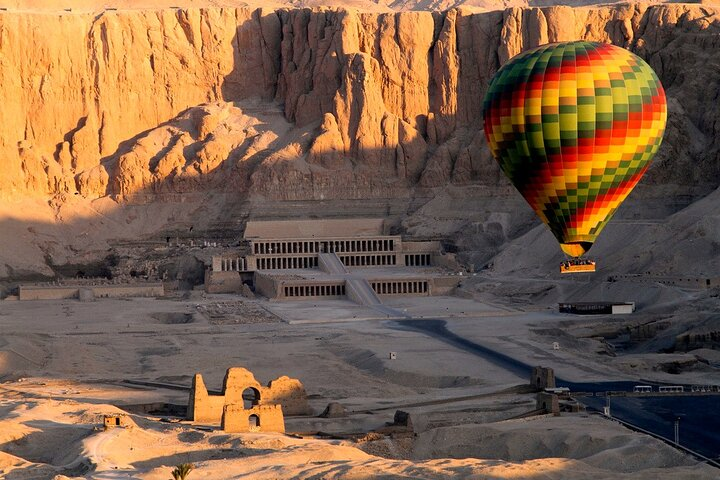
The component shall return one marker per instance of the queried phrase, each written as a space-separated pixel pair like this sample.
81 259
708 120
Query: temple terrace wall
314 228
293 287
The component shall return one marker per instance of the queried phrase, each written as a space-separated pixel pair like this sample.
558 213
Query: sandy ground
44 437
64 363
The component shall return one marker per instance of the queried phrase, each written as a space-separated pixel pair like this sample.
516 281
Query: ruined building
542 378
246 406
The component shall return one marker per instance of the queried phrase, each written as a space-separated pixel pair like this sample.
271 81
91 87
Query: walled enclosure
62 292
287 393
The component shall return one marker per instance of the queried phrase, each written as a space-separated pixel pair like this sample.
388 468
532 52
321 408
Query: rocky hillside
378 101
312 104
364 5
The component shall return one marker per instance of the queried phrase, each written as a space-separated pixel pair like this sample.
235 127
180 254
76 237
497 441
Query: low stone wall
48 293
682 282
63 292
114 291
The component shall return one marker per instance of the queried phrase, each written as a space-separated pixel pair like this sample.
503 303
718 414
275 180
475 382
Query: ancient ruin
259 418
548 403
542 378
116 420
246 405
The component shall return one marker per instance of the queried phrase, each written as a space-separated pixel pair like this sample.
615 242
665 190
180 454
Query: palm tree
182 471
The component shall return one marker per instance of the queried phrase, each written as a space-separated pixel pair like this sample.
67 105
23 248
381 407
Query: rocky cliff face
144 102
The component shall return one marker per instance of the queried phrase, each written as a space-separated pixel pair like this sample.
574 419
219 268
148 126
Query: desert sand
65 364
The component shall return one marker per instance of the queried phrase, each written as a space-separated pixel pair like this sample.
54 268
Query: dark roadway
699 415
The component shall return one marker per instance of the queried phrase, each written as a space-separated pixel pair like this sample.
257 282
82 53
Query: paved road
699 424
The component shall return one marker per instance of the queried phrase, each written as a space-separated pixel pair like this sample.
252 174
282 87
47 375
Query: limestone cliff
147 102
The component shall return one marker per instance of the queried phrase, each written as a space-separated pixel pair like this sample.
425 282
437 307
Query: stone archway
254 422
251 397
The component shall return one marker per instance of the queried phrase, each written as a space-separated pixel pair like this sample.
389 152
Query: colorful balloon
574 126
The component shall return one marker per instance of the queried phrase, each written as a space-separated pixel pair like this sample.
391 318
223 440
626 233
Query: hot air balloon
574 127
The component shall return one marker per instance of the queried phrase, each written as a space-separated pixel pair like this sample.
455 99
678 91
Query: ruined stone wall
542 377
203 407
222 282
288 394
548 402
265 285
236 419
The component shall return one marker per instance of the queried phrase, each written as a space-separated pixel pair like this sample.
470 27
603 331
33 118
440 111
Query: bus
642 389
671 389
558 390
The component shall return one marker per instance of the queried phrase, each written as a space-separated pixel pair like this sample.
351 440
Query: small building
597 308
115 420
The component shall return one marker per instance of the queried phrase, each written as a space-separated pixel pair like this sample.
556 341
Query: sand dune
47 438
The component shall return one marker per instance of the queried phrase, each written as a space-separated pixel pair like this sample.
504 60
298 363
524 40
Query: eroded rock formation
146 102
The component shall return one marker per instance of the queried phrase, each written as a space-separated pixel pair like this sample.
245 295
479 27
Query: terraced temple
311 259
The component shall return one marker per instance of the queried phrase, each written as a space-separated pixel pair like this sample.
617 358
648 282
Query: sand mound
370 363
528 440
61 438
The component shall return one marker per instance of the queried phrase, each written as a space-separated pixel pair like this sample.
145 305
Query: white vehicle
671 389
642 389
558 390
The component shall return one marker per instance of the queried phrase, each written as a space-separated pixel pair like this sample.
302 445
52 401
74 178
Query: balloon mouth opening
576 249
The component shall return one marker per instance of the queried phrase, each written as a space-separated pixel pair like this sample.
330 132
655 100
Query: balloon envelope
574 126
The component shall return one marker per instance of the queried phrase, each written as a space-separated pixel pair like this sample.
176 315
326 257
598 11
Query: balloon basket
577 266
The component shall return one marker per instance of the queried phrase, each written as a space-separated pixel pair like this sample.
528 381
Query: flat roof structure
597 308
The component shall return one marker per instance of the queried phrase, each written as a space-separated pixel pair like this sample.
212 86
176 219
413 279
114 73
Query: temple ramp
330 263
360 291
